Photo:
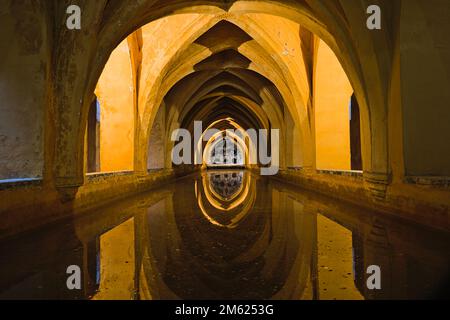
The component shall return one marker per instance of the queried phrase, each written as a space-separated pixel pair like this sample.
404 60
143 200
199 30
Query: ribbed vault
220 81
202 53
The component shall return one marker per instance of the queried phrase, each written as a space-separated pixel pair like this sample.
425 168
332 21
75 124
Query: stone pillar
376 184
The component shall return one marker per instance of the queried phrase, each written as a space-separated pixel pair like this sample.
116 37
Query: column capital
68 187
376 183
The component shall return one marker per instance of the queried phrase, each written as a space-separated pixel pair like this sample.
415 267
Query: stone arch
266 109
316 16
282 81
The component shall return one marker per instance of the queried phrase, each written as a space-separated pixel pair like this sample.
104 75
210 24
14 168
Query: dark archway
355 135
93 138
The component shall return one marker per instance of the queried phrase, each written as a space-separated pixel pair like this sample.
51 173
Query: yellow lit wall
335 261
332 93
115 94
117 261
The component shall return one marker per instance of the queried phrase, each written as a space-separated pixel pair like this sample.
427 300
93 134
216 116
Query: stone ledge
428 181
407 201
94 176
346 173
30 209
12 184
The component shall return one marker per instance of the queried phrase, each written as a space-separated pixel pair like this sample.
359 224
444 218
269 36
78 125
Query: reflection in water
218 204
228 235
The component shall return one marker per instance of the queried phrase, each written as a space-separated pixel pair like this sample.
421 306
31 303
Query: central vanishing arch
365 57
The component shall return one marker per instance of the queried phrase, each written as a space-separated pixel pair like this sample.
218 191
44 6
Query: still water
228 235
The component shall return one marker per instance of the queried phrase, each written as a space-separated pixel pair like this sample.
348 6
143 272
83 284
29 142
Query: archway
316 18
